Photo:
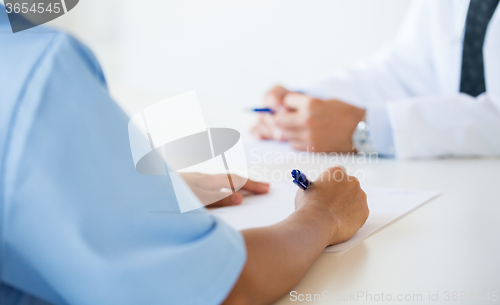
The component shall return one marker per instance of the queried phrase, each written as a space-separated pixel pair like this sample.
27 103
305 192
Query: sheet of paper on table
386 205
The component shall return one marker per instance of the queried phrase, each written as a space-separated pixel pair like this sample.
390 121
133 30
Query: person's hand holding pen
266 128
308 123
329 211
338 197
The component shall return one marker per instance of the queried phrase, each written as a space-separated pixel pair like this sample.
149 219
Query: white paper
386 205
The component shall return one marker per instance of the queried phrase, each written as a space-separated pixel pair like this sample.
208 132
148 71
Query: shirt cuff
377 117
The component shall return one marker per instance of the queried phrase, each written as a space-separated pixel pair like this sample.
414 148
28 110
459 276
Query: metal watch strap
361 139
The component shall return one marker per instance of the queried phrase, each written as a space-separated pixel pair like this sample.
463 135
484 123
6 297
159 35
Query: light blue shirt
79 225
381 134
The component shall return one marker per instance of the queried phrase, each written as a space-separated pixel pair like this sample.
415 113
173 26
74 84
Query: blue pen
269 110
300 179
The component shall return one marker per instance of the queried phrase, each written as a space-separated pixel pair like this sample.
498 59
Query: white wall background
230 52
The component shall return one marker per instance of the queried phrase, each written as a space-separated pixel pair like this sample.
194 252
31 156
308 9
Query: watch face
361 138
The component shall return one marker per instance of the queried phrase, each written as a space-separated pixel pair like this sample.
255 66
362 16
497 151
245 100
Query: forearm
278 256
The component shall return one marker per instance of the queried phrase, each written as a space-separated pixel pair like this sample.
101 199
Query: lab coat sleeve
401 70
422 122
80 225
457 125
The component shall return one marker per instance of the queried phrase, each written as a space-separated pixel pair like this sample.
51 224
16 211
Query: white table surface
450 244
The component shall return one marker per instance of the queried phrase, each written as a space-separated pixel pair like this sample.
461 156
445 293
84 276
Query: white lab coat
417 80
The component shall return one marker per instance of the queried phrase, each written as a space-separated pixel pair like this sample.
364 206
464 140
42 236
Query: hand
329 212
318 125
208 188
337 200
308 123
265 128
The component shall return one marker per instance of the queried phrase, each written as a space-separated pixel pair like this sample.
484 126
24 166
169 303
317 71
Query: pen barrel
300 179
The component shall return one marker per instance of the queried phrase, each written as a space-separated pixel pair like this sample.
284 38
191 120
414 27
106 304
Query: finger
215 182
249 185
269 133
256 187
274 98
297 101
287 119
218 198
218 181
255 131
269 125
262 129
260 132
272 131
278 134
267 120
295 134
231 199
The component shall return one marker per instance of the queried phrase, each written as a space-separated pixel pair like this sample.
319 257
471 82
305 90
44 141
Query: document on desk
386 205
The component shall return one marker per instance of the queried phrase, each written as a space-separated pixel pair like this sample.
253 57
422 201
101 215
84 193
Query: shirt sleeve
417 128
377 118
80 224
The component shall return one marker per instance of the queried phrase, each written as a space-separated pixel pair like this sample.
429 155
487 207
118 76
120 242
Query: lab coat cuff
377 118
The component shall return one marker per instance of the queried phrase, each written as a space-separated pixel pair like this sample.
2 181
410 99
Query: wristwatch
361 138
